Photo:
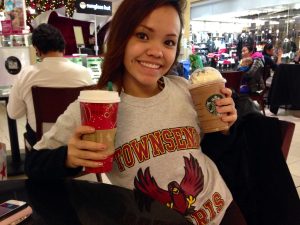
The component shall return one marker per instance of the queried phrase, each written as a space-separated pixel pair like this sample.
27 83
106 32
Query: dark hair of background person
101 37
46 38
249 47
128 16
267 47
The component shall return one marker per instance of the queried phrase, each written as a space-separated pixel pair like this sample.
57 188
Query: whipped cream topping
206 75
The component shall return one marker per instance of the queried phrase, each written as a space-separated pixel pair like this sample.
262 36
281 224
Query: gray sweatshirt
157 151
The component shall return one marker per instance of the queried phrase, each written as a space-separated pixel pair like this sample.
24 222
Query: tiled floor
293 160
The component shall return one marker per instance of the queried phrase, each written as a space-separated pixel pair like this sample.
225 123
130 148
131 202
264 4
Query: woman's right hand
84 153
280 52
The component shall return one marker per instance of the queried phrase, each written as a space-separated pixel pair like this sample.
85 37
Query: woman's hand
84 153
279 53
297 57
226 107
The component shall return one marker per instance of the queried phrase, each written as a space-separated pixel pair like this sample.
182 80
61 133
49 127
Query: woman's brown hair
128 16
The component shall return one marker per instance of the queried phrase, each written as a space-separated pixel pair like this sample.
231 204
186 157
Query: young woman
157 143
297 57
268 53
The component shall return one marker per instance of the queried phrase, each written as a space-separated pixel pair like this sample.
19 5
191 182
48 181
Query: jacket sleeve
269 61
252 72
216 144
48 164
62 130
48 157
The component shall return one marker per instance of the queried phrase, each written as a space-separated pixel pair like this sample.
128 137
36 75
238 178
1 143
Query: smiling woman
150 52
148 34
157 149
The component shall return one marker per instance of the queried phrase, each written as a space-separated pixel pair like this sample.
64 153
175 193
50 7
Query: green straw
200 62
109 86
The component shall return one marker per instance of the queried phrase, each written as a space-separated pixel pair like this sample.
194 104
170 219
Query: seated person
53 71
253 78
268 53
245 64
297 57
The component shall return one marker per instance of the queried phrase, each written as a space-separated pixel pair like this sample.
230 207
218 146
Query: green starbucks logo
210 103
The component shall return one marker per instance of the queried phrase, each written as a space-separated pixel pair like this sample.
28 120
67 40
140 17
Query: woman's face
245 52
270 51
151 51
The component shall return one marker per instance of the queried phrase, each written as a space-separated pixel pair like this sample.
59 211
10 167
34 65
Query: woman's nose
155 51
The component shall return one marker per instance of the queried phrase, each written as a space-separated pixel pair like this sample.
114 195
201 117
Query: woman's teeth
150 65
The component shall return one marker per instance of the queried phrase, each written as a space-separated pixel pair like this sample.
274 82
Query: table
15 162
75 202
285 87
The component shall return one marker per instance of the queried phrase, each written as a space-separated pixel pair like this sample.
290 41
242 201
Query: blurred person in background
53 71
253 78
297 57
268 53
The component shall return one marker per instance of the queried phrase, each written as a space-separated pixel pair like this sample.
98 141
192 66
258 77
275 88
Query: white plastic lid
98 96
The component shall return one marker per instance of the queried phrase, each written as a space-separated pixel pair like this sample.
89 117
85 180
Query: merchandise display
93 63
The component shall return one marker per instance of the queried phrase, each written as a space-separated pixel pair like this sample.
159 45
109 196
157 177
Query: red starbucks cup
99 110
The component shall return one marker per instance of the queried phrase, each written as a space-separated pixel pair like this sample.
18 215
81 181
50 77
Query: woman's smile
149 65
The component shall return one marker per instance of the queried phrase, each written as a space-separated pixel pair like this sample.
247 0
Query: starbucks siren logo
210 103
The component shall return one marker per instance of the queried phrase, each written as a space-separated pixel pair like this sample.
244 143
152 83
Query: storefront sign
94 7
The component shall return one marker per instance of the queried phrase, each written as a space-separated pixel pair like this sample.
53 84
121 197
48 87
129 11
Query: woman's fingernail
99 163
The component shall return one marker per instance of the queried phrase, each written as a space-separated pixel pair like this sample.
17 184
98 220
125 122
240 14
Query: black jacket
254 76
249 159
252 165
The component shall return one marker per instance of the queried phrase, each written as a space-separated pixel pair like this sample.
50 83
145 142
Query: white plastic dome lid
99 96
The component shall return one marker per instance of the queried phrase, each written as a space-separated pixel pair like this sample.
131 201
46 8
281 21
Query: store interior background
223 22
227 22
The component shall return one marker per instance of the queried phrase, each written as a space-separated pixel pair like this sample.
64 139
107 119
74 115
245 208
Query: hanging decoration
36 7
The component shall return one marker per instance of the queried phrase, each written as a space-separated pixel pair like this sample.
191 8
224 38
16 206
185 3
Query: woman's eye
170 43
142 36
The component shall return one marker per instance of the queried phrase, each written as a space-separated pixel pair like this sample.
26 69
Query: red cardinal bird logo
180 197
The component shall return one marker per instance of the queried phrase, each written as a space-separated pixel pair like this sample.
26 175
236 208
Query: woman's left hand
226 107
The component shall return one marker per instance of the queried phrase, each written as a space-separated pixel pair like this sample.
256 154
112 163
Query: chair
287 131
233 79
266 74
261 96
49 103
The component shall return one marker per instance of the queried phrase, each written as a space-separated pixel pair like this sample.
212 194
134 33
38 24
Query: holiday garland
36 7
